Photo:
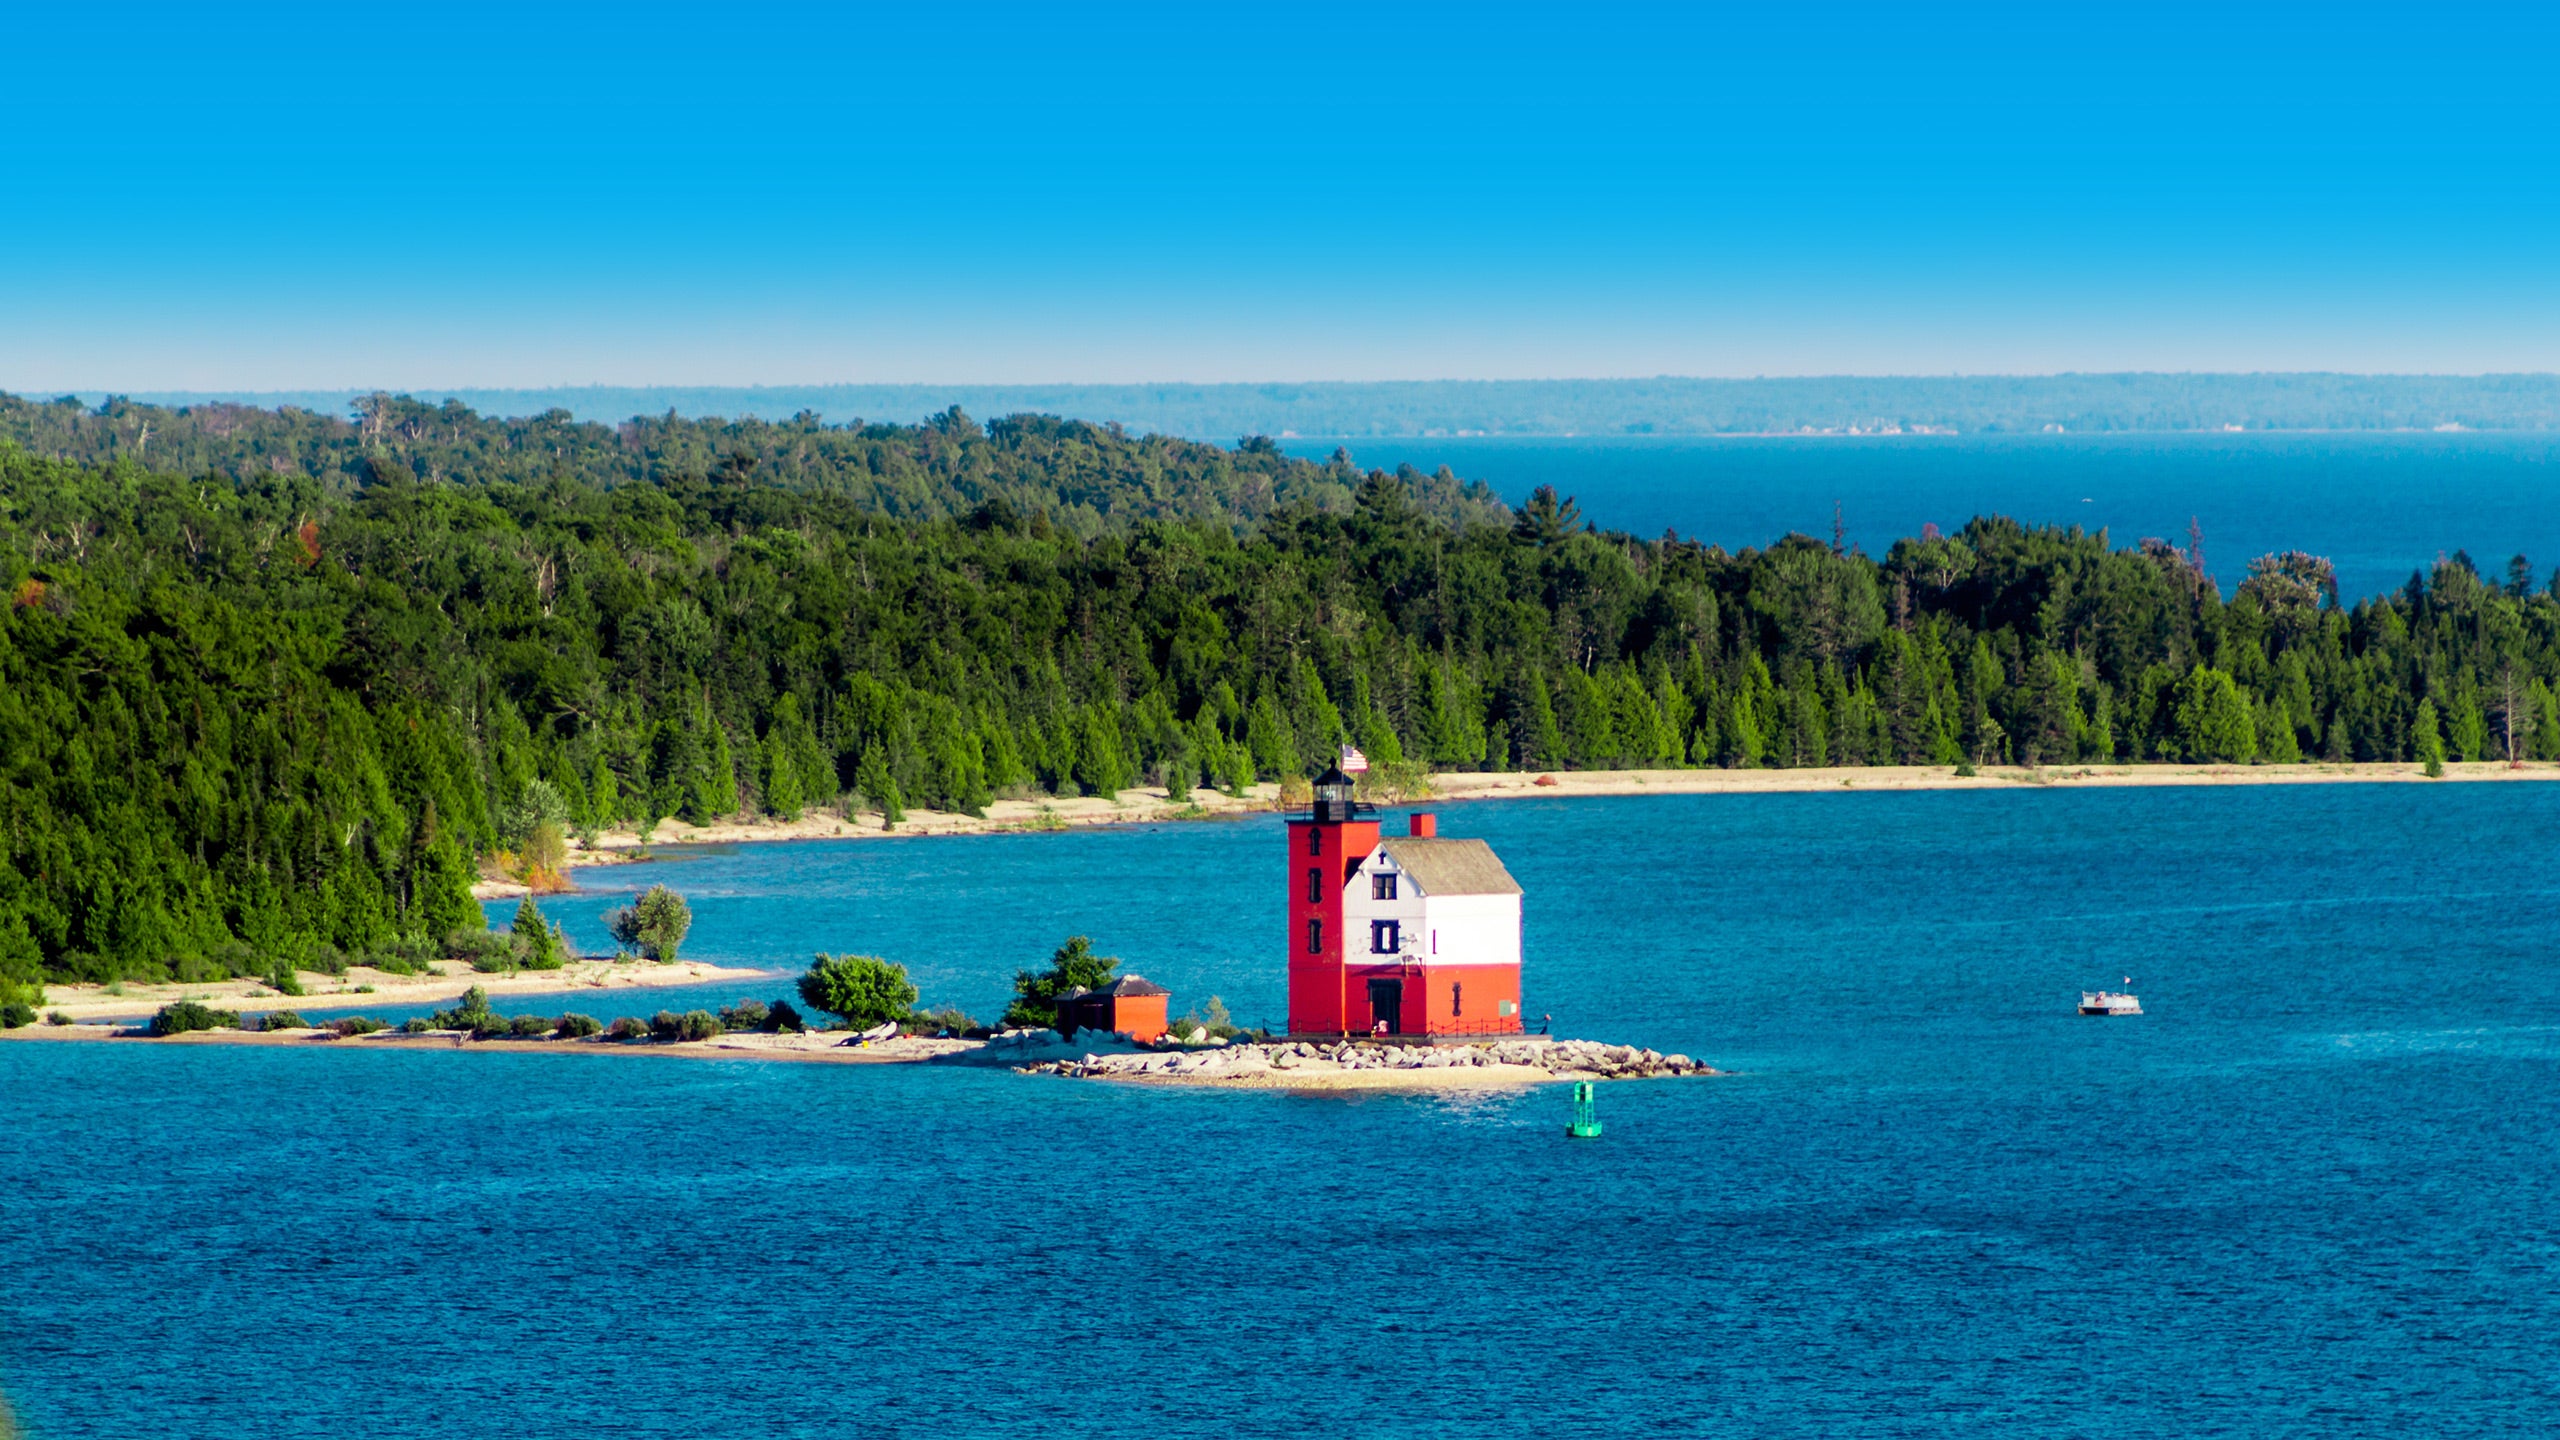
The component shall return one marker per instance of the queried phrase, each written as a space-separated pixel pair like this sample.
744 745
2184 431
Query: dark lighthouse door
1386 1006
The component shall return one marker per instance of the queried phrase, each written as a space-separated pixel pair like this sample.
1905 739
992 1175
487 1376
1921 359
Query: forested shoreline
278 699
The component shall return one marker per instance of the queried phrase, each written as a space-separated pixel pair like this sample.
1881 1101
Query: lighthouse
1404 935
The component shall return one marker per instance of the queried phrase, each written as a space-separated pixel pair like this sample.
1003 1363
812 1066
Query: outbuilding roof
1451 867
1125 985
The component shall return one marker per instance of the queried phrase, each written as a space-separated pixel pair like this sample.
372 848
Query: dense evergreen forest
273 701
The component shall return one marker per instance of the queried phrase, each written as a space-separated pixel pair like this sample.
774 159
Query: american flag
1353 762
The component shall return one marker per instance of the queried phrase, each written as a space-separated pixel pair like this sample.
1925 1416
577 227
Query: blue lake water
2378 505
2312 1192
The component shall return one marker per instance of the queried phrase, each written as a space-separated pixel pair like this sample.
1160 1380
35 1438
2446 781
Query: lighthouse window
1382 937
1315 886
1382 887
1315 937
1455 1009
1315 841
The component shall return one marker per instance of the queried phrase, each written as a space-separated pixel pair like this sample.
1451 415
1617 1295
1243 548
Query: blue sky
520 195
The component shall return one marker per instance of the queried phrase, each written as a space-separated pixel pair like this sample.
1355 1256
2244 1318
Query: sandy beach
1515 786
1133 807
827 1047
1146 806
362 985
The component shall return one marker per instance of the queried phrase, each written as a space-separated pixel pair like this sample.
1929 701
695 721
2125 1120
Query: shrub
864 990
654 924
529 1026
15 1014
326 959
627 1028
488 953
407 955
57 1018
949 1019
282 1020
353 1025
574 1026
416 1025
691 1025
782 1017
474 1015
282 979
232 957
186 1015
745 1015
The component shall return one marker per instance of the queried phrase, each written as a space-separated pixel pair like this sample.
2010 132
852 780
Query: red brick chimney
1424 826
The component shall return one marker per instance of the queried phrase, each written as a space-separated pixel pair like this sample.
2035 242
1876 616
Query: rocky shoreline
1304 1064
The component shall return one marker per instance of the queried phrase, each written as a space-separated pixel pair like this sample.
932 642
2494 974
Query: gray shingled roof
1125 985
1451 867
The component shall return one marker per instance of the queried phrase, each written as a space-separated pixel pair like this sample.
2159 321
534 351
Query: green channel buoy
1586 1115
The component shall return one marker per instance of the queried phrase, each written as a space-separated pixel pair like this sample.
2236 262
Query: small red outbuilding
1132 1005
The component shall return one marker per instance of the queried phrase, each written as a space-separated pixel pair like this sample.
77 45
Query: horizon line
31 391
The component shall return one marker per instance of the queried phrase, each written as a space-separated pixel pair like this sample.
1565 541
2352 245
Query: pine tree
878 786
443 902
782 795
1102 766
1271 739
537 943
2277 744
1545 747
717 794
604 793
2426 739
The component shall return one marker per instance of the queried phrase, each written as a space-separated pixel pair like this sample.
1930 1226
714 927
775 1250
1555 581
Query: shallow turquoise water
2310 1193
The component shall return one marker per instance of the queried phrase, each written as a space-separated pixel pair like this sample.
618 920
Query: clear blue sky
339 195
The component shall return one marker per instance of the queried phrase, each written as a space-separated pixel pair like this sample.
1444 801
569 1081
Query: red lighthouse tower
1324 850
1413 935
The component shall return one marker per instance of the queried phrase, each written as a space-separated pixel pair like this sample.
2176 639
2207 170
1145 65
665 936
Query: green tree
2426 739
861 990
877 785
2215 719
540 944
1102 766
1073 966
2277 744
654 925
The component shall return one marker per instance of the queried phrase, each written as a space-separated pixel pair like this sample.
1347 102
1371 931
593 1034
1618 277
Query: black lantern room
1334 805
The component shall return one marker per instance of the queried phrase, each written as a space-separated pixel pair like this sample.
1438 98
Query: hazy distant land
1661 406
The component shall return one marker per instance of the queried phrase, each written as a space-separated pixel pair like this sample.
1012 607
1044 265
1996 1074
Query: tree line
264 715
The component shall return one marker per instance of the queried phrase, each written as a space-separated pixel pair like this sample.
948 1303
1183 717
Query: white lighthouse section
1474 929
1449 902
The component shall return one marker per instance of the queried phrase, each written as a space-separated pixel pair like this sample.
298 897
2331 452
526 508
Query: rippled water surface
2312 1192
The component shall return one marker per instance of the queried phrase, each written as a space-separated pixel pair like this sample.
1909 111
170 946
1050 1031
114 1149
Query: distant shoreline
2148 402
1149 805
